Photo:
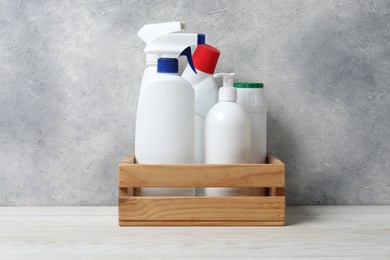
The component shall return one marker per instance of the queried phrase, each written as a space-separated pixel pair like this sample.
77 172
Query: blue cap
201 38
167 65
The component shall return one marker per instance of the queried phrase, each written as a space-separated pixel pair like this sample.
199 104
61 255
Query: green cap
248 85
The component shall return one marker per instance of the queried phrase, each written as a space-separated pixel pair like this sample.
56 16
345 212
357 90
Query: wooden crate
266 210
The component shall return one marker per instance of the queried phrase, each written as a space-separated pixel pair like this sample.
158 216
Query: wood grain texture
195 175
311 232
200 176
201 208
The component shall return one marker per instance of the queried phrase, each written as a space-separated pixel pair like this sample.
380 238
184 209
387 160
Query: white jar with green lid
251 96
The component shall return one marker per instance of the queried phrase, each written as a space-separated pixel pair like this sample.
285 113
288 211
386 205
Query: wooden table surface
312 232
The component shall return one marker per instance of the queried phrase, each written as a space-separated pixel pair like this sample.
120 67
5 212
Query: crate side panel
262 175
201 208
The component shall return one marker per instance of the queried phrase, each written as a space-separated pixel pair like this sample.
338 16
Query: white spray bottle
170 45
165 116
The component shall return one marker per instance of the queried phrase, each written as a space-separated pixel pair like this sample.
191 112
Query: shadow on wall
282 142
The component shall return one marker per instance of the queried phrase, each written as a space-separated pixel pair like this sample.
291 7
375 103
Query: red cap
205 58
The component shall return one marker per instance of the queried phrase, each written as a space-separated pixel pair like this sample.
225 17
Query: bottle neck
151 59
200 74
193 78
151 64
168 73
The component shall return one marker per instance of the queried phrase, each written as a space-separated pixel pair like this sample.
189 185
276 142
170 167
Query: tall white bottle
227 134
170 45
165 123
252 97
205 60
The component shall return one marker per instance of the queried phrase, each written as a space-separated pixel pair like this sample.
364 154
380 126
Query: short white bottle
165 123
251 96
227 134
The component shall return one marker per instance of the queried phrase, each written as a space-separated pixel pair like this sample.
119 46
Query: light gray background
70 73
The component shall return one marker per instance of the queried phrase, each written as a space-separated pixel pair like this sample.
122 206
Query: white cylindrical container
227 134
165 122
252 97
165 119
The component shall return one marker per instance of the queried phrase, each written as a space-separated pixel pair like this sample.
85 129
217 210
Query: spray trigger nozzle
188 54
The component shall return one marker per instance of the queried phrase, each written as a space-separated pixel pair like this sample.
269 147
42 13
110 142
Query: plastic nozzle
188 54
172 45
228 79
227 92
201 38
150 31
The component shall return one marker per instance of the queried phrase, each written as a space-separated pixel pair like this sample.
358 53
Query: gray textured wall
70 73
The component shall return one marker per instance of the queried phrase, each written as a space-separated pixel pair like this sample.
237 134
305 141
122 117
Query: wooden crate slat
201 208
276 192
244 175
272 159
130 158
123 192
202 223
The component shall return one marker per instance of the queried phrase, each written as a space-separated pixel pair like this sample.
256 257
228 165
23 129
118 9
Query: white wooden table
349 232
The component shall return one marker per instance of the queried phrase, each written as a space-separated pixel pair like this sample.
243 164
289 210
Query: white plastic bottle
170 45
165 123
252 97
227 134
205 60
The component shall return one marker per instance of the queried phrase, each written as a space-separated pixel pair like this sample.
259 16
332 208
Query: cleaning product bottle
170 45
205 60
164 38
148 33
252 97
227 134
165 122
